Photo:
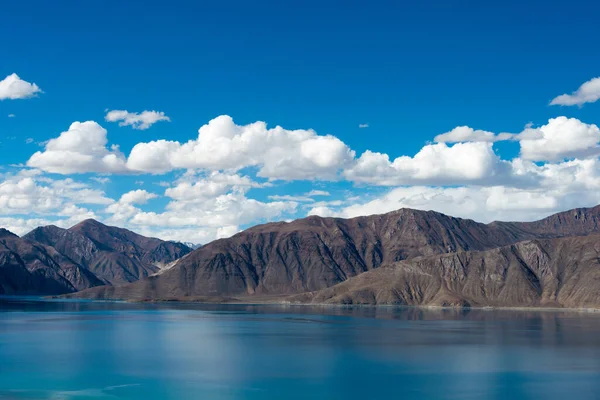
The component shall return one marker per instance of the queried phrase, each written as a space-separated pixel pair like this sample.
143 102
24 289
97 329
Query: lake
97 350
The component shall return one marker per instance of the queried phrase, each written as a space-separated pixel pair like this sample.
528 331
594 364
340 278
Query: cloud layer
222 180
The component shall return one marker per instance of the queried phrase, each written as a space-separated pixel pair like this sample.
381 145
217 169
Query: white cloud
318 193
32 196
433 164
222 145
24 195
191 235
141 121
11 115
468 134
322 211
556 187
306 198
124 209
80 149
227 161
481 204
100 179
21 226
588 92
287 197
191 188
224 210
12 87
76 192
362 126
202 207
76 214
560 138
137 197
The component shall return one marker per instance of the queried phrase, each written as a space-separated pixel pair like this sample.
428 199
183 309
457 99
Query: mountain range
53 260
408 257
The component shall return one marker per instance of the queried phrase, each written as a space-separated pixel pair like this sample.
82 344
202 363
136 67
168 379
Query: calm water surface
98 350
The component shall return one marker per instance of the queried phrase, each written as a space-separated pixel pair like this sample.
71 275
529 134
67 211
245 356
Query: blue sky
409 70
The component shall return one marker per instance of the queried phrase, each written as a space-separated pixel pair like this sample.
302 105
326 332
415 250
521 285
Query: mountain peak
6 233
88 222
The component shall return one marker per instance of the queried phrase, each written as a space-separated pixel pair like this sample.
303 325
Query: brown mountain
27 267
115 255
314 253
561 272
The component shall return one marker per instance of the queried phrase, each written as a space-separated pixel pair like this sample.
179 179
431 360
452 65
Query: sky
191 121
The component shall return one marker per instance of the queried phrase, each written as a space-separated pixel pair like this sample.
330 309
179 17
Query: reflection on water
92 350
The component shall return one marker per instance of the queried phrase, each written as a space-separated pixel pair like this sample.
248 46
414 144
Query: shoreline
591 310
265 301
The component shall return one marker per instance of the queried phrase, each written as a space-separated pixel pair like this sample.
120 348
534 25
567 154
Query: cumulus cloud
555 187
468 134
305 198
137 197
223 145
560 138
28 200
588 92
24 195
318 193
100 179
82 148
433 164
193 188
30 194
202 207
323 211
190 235
12 87
481 204
227 161
22 225
124 209
288 197
141 121
231 209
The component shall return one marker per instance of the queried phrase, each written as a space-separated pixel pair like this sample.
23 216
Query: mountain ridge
116 255
558 272
54 260
315 253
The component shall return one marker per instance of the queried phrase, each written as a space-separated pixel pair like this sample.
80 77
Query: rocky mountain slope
315 253
52 260
114 255
27 267
561 272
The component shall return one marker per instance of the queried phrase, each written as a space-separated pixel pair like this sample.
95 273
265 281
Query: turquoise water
89 350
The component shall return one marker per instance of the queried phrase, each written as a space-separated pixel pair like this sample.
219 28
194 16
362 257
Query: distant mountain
315 253
191 245
115 255
28 267
52 260
561 272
